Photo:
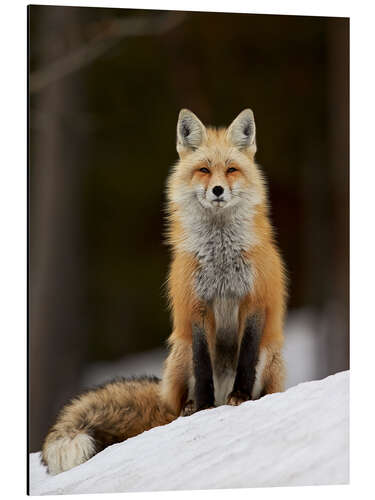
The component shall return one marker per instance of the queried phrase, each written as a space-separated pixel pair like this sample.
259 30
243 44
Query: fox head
216 170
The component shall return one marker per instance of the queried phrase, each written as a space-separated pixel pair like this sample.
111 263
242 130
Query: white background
13 239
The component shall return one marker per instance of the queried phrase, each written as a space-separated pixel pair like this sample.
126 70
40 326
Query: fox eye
204 170
231 169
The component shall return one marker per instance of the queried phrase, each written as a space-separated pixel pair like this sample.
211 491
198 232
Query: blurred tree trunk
56 295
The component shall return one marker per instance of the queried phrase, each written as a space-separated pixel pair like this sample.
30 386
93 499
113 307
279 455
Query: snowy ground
300 437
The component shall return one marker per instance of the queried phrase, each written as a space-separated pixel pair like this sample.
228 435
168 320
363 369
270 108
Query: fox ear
190 132
241 132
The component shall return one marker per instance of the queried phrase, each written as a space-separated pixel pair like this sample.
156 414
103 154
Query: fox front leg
204 386
247 361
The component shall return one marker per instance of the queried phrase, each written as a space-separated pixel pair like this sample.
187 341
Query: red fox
226 283
227 295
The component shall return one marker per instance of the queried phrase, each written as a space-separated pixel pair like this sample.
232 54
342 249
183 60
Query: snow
299 437
305 349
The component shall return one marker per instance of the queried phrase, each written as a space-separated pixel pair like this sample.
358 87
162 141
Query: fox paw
236 398
188 409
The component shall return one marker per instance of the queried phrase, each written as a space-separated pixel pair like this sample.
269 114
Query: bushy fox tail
103 416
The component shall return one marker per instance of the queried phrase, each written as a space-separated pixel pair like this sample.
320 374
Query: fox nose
217 190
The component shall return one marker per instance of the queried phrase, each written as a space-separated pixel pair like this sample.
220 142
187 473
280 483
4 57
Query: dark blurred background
105 88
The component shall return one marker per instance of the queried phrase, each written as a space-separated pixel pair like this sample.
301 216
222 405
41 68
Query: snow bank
300 437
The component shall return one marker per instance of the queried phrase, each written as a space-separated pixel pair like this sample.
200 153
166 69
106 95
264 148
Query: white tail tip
66 453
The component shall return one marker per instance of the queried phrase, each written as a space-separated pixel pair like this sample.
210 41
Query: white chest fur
219 241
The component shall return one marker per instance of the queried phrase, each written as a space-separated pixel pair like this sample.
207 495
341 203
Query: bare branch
117 30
